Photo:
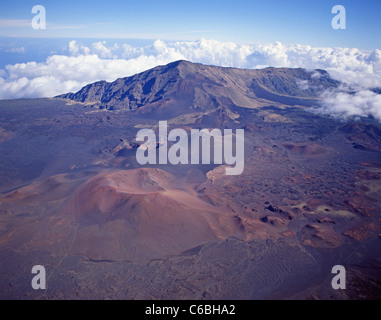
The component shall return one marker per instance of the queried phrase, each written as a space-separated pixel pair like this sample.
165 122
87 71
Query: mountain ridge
197 86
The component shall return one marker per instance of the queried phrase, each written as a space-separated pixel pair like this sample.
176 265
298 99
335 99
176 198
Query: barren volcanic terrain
74 199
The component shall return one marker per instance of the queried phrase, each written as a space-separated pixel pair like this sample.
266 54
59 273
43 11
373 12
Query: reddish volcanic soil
131 215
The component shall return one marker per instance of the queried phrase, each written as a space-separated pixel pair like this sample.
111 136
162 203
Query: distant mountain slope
183 84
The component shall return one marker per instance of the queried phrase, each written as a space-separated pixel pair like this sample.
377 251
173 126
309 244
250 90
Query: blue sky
241 21
87 41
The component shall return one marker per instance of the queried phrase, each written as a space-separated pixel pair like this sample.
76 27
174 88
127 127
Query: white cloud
303 84
359 69
16 50
101 50
9 23
76 49
345 104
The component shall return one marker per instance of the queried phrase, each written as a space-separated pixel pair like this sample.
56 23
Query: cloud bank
347 105
359 69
